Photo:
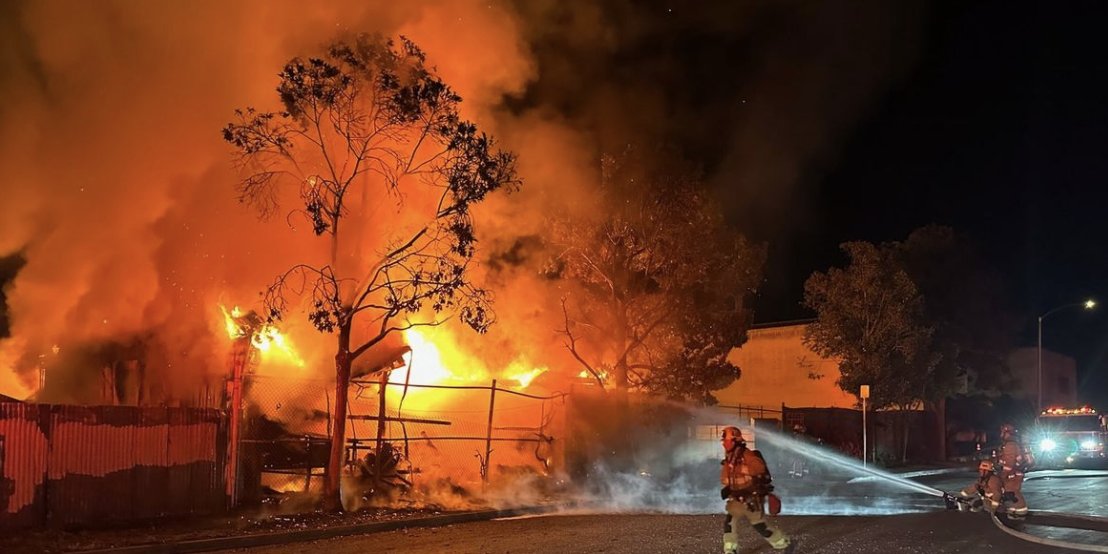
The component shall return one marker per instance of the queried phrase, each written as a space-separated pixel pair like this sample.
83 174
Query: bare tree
365 124
656 285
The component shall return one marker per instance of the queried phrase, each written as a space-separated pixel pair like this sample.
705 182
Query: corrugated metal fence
77 465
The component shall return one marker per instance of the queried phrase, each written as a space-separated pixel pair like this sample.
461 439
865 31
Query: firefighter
985 492
746 487
1012 460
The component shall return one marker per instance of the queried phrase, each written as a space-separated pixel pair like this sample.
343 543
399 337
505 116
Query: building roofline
786 323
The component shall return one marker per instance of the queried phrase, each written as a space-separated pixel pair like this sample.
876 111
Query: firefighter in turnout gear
746 487
985 492
1012 460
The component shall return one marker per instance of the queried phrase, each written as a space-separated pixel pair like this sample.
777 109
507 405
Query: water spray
838 460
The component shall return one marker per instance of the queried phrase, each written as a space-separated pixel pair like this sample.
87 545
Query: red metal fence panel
77 465
22 484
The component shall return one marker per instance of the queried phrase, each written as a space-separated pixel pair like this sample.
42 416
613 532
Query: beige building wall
777 368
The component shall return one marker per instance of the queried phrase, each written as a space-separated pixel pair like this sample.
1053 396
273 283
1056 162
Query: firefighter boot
791 549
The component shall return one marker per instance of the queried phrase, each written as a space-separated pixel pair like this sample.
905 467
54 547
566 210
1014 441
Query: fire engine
1064 437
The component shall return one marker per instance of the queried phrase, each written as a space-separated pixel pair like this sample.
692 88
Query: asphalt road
915 523
938 532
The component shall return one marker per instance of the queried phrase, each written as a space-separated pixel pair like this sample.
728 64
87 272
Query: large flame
436 359
423 364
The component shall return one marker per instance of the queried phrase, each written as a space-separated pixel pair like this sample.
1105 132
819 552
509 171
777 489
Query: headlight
1090 444
1046 445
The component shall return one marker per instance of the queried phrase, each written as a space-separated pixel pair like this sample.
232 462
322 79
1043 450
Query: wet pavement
914 523
829 511
937 532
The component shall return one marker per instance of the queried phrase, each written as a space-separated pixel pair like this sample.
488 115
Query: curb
267 539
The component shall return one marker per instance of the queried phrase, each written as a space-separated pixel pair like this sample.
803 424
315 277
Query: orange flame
589 376
423 364
230 321
266 338
436 359
524 376
273 345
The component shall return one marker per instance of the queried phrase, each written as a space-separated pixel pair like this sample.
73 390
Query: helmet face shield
731 437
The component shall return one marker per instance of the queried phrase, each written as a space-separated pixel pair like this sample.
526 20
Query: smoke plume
118 192
120 197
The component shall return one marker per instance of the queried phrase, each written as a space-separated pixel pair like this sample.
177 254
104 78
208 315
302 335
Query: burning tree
367 124
656 285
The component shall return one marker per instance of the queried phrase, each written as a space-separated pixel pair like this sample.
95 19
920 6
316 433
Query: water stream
823 455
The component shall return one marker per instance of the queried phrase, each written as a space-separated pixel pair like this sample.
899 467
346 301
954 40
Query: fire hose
1045 541
1055 542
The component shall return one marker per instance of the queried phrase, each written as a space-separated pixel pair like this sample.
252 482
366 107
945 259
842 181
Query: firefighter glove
725 493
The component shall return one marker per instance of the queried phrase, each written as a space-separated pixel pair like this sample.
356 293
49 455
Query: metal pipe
488 434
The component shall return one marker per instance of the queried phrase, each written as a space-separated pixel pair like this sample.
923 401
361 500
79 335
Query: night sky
1000 132
824 122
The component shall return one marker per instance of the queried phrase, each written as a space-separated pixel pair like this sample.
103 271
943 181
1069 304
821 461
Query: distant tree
965 302
870 316
656 284
915 319
364 125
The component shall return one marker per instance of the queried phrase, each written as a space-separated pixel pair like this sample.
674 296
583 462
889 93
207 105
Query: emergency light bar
1084 410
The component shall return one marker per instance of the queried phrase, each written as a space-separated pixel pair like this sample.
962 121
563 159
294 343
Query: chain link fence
432 438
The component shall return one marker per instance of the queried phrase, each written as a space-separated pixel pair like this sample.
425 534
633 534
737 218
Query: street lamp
1088 305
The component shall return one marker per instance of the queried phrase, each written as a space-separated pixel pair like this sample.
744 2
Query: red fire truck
1067 437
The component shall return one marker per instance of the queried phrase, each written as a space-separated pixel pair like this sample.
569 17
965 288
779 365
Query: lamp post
1088 305
864 393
